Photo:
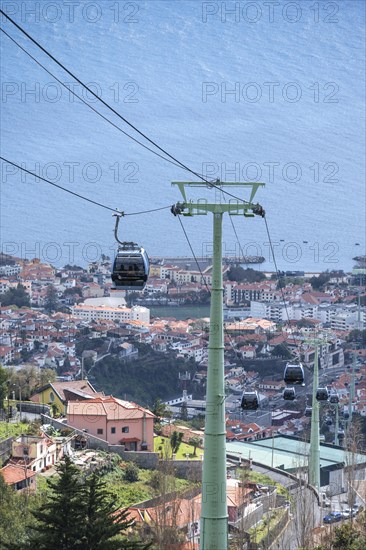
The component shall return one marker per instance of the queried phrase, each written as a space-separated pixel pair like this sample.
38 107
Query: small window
52 396
113 430
25 451
99 431
125 430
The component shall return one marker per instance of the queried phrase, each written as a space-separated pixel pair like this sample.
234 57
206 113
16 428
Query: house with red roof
19 477
114 420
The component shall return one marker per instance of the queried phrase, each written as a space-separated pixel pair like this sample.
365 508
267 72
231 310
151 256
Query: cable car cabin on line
294 374
130 268
334 398
250 401
322 394
289 394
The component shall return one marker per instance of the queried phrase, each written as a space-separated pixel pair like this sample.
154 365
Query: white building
89 313
9 270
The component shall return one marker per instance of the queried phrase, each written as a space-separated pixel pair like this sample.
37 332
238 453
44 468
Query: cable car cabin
130 268
328 421
250 401
334 398
308 411
289 394
294 374
322 394
346 415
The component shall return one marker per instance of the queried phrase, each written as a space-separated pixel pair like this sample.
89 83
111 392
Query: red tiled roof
14 474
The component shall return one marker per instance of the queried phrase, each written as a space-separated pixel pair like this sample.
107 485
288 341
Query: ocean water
236 90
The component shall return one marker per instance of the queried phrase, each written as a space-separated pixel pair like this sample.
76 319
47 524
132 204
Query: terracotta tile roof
14 474
110 407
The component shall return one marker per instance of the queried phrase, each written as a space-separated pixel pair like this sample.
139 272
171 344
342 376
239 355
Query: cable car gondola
334 398
328 421
289 394
131 264
294 374
345 415
322 394
308 411
250 401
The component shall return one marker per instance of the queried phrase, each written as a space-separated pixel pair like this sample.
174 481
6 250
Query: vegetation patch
163 447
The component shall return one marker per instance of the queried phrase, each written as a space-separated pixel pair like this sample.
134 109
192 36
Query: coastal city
182 275
91 369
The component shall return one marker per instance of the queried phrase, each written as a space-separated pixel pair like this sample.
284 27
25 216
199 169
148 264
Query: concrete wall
188 469
142 459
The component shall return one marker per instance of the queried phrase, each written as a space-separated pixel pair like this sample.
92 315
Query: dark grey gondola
250 401
131 264
130 268
294 374
322 394
289 394
334 398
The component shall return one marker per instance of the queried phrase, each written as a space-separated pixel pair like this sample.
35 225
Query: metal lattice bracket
234 207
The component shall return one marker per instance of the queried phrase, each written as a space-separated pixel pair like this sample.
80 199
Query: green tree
358 336
15 297
60 519
184 411
104 521
3 385
79 515
237 273
281 351
160 410
15 514
320 281
51 299
131 472
194 441
175 440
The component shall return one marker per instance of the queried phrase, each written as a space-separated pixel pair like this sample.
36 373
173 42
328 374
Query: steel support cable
207 288
185 167
88 104
82 196
278 278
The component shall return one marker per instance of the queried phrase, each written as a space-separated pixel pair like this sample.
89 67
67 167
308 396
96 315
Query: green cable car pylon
214 517
314 451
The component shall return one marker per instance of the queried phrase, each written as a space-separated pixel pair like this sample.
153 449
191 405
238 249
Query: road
305 512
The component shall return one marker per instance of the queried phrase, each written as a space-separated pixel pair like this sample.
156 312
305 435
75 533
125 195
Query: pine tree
51 300
59 519
79 515
104 521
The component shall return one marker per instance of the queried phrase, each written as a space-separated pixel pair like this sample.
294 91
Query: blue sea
240 91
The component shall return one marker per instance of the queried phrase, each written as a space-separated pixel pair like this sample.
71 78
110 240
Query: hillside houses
50 340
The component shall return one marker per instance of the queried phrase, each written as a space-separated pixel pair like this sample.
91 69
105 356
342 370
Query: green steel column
314 458
352 389
336 435
214 508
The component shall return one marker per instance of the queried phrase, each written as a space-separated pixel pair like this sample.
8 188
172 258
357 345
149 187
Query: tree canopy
15 297
249 275
79 514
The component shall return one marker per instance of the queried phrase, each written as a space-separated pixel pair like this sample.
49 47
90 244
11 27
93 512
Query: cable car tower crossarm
214 516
